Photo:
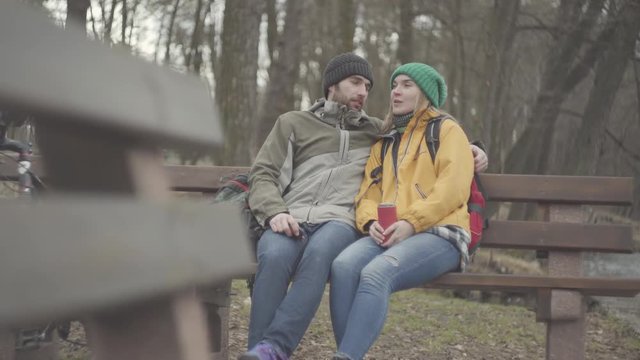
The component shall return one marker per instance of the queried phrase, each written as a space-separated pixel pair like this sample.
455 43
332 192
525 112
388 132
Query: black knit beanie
343 66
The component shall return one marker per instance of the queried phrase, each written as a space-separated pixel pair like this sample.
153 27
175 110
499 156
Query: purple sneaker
263 351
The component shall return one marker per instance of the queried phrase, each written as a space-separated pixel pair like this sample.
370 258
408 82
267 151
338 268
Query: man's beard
342 99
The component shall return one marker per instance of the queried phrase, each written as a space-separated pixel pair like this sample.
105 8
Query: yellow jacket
426 194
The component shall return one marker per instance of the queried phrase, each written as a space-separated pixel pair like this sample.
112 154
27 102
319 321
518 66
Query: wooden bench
562 234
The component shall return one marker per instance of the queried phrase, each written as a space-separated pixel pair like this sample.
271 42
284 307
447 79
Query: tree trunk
172 20
530 153
196 35
236 88
132 18
160 32
109 23
77 12
346 24
498 55
456 70
283 73
609 73
272 27
405 36
123 27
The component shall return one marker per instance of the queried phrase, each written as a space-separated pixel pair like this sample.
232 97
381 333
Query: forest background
550 86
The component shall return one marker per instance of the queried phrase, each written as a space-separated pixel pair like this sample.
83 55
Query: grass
425 324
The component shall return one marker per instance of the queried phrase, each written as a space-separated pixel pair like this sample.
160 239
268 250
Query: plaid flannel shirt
456 236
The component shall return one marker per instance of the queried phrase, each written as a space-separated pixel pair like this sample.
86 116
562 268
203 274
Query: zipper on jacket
341 154
420 192
396 164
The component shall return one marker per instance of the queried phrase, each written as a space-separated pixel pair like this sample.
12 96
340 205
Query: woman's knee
378 272
340 265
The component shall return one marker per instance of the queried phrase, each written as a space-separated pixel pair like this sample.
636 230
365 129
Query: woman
431 235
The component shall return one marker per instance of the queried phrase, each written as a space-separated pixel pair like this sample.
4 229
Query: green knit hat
427 78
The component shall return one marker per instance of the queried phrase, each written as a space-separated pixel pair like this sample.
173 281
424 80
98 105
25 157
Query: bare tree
284 70
196 35
405 35
77 12
272 27
608 75
499 43
236 89
530 153
172 21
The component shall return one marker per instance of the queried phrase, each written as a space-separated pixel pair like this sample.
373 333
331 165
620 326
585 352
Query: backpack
236 191
476 203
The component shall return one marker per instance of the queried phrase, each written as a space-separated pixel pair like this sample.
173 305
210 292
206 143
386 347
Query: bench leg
565 340
7 345
565 310
171 328
564 313
216 300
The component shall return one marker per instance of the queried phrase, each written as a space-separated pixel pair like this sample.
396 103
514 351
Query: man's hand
480 160
398 231
285 223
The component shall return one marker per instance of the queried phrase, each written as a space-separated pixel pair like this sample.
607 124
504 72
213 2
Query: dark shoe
263 351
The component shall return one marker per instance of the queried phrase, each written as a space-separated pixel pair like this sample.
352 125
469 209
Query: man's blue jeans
279 316
365 274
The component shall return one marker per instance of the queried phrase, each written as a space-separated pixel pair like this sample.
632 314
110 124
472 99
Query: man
303 184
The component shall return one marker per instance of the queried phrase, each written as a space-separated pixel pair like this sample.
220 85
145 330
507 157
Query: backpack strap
387 140
432 135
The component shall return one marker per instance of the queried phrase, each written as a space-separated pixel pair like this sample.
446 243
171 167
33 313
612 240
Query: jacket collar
338 115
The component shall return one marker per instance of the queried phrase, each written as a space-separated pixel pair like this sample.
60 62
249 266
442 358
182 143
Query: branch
535 18
551 30
571 113
636 73
582 68
618 142
93 23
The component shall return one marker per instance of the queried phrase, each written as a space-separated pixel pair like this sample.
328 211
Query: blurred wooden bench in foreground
107 244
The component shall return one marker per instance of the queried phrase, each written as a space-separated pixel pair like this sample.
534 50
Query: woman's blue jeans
279 316
365 274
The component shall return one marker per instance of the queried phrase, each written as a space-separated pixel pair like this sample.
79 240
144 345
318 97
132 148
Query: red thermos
387 215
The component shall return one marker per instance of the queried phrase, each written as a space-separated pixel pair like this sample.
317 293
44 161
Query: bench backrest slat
201 178
538 235
588 190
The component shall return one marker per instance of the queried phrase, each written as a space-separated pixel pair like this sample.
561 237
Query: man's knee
341 265
272 258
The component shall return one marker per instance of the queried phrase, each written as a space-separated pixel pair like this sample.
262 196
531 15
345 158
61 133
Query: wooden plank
500 187
64 256
623 287
201 178
540 235
593 190
63 76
